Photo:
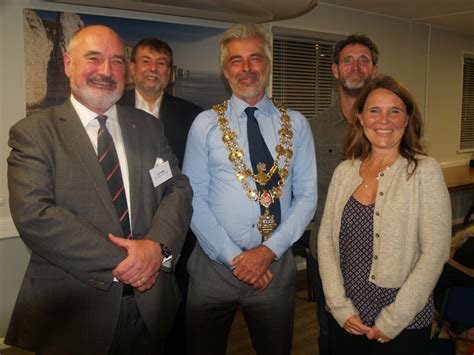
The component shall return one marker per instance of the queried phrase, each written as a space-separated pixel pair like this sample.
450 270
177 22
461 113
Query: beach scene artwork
196 70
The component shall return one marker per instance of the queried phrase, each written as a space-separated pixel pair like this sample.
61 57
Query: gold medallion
266 224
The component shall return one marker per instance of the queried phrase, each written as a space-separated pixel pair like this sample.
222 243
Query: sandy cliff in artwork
37 52
45 44
58 84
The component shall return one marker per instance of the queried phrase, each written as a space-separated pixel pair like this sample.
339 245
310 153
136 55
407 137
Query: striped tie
108 159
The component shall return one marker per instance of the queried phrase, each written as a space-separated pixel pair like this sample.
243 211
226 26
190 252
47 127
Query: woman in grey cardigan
385 232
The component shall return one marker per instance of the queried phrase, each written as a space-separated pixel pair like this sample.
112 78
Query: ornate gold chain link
243 172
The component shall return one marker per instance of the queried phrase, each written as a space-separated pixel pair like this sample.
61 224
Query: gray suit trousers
214 296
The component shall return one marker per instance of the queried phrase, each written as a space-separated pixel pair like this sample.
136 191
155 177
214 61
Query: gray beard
353 92
152 90
92 99
353 89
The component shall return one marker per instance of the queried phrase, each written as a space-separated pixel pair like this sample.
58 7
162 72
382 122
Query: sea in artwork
204 89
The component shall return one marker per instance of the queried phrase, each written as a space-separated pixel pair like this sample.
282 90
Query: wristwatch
166 264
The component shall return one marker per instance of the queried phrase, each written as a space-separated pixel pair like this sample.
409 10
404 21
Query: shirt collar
87 116
264 106
143 105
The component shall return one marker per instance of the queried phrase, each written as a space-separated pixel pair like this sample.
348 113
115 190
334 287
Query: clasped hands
253 267
355 326
141 268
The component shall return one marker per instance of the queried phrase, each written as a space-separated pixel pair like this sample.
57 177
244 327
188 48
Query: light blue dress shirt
225 219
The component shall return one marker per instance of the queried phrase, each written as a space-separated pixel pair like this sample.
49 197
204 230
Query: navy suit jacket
177 116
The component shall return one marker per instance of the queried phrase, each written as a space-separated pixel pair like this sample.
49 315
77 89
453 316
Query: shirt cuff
277 245
228 254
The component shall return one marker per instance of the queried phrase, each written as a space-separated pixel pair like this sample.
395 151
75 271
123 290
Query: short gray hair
245 31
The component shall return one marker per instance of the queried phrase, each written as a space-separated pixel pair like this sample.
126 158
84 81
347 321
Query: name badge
161 172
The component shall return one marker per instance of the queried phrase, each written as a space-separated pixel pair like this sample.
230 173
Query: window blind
302 76
467 110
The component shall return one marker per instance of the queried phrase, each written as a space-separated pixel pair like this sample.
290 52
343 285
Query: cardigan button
372 277
375 257
381 193
377 213
377 235
382 174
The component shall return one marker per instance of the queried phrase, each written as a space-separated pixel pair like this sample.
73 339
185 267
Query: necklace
366 184
243 173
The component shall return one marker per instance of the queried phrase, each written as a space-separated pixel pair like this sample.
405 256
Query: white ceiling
222 10
456 15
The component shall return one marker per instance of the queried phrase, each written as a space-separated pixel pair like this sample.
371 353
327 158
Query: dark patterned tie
110 165
259 153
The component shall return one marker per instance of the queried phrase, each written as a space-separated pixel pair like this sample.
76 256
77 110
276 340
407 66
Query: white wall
428 60
444 93
13 259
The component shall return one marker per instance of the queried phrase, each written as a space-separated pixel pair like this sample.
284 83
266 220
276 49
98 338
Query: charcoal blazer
177 116
61 206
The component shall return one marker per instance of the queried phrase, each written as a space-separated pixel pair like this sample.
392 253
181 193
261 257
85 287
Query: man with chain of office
252 166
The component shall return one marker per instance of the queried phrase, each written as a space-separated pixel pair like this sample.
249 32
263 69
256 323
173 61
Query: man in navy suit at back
151 66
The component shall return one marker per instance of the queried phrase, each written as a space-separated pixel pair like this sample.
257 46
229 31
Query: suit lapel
164 108
80 144
131 140
128 98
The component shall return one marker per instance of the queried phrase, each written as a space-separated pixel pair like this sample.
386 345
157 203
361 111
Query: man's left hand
141 267
252 264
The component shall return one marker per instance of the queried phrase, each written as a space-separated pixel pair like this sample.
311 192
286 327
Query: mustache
102 80
248 75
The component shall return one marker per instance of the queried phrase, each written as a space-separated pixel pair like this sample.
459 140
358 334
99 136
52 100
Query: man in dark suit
80 180
151 65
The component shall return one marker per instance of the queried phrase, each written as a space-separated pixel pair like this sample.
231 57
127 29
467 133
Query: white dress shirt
91 125
141 104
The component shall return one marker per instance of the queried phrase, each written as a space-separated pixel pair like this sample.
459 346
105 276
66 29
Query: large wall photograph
196 68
